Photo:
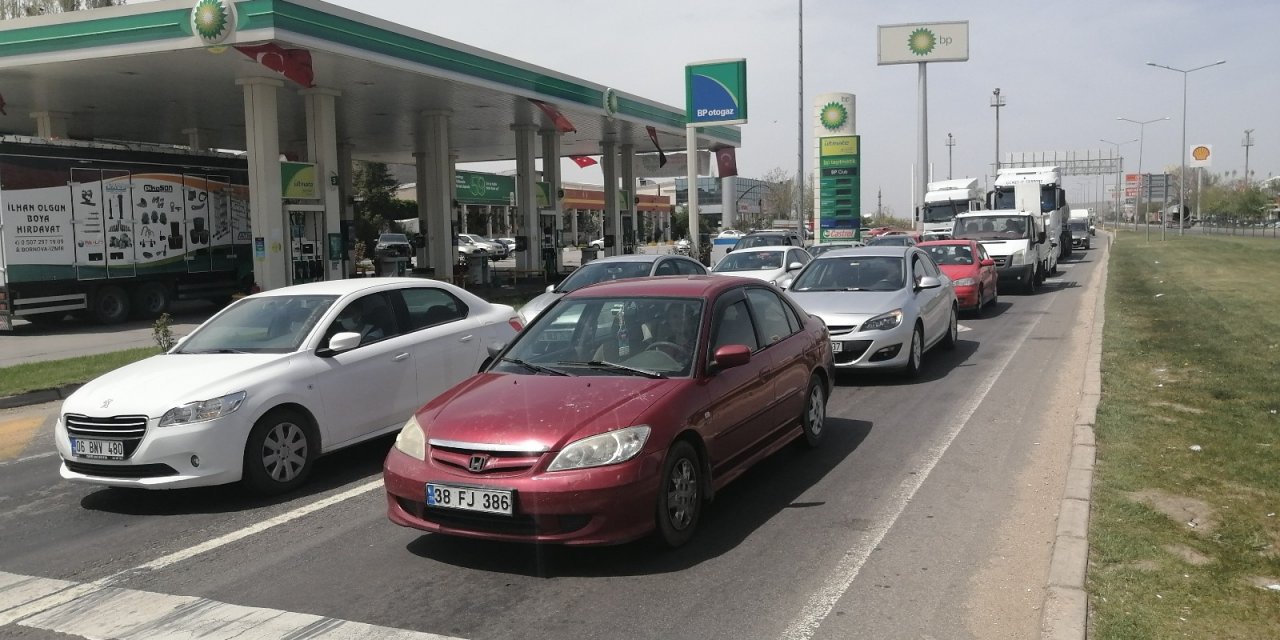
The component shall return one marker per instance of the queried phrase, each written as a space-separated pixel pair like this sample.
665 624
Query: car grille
121 471
852 350
836 329
1000 260
518 524
495 464
128 429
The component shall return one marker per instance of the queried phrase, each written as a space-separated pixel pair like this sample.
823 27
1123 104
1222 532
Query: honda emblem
477 463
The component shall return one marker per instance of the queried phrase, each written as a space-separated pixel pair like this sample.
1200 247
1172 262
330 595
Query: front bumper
874 349
163 458
967 297
1016 274
598 506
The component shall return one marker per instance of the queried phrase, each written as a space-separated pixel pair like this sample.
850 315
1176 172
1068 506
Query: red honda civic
618 413
971 270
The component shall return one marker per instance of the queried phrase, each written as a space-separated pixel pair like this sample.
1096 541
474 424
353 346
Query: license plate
837 347
97 449
470 499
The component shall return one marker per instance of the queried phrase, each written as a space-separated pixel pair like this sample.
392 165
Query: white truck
1053 201
944 199
1015 237
113 231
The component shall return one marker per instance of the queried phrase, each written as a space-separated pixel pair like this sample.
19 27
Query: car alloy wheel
815 412
680 497
279 453
916 354
953 331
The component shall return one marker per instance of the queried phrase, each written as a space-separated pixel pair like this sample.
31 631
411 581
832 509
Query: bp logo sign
833 116
921 42
477 186
610 100
213 21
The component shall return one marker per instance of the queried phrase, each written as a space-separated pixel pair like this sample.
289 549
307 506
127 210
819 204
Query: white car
635 265
263 388
772 264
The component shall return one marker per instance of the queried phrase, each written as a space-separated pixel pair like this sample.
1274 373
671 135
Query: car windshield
851 273
750 261
269 324
651 337
1079 225
764 240
991 228
897 240
951 253
390 238
943 211
604 271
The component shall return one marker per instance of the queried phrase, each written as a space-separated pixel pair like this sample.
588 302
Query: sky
1067 71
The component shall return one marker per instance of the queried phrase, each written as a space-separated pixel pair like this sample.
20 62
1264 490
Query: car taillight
514 321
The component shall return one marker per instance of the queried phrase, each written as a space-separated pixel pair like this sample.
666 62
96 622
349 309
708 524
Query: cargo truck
1016 238
946 198
1053 201
113 231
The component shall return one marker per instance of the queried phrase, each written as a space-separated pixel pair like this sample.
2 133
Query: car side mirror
786 283
344 341
795 265
987 262
730 356
928 282
1040 237
550 288
494 348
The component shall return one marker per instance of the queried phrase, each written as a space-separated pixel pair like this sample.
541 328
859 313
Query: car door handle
401 357
464 339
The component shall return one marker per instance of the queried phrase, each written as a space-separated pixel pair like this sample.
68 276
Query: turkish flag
583 161
727 161
294 64
562 123
653 135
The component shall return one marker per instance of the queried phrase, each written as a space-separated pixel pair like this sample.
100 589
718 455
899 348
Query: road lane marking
221 541
16 434
846 571
5 463
94 610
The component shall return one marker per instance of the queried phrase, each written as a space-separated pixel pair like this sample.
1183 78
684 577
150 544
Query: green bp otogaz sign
716 92
839 188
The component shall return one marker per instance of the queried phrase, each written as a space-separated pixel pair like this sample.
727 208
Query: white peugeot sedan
263 388
884 306
772 264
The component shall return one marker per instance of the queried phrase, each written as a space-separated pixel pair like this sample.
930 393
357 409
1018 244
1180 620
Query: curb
38 396
1065 614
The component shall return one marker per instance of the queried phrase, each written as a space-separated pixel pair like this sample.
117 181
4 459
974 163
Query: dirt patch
1270 584
1188 555
1177 407
1194 514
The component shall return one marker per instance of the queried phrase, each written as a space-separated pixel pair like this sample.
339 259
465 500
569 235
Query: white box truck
117 231
1053 201
1016 238
944 199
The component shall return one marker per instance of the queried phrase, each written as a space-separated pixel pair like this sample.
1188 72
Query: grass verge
55 373
1185 531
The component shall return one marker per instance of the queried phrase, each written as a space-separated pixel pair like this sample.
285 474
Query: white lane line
824 599
112 613
28 458
210 545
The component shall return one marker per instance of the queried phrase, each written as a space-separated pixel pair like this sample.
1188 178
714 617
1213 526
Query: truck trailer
114 231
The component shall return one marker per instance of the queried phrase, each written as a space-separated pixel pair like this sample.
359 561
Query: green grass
55 373
1190 357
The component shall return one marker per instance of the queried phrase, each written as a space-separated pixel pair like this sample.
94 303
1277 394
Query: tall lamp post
997 101
1182 177
1142 132
1248 142
1119 174
951 142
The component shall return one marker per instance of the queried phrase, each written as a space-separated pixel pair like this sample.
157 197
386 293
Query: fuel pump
306 231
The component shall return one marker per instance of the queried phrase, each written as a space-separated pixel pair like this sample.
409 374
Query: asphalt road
928 513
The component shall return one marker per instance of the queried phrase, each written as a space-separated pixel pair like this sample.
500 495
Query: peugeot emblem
106 403
477 464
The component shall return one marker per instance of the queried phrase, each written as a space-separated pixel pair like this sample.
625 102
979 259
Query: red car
971 270
619 412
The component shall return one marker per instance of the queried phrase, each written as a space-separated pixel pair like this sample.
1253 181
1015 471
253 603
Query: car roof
892 251
344 287
628 257
940 243
668 286
771 247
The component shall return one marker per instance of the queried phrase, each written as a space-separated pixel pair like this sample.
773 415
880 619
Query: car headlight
607 448
964 282
884 321
411 440
1018 257
203 410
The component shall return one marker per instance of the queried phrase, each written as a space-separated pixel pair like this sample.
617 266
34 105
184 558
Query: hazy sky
1067 69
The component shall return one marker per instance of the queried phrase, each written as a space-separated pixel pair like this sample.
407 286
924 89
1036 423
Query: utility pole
951 142
879 204
997 101
1248 142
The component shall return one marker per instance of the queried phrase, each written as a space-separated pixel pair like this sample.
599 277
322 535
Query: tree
779 199
376 206
22 8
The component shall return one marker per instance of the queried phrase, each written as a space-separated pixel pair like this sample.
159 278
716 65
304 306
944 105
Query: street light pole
1182 177
997 101
1119 174
1248 142
1142 132
951 142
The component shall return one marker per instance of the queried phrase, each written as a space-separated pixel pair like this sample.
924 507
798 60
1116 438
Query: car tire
995 296
814 418
680 496
109 305
915 354
279 453
150 299
950 340
1029 287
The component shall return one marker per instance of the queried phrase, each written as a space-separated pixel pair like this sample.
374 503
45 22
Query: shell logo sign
1201 155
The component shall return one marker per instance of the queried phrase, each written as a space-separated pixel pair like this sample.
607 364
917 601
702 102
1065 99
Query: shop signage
298 181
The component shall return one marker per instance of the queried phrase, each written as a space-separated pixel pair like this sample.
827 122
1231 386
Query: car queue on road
609 408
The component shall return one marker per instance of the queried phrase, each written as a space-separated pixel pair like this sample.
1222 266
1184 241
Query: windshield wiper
613 366
204 351
534 368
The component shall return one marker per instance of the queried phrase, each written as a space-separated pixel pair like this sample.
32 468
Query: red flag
562 123
653 135
727 161
294 64
583 161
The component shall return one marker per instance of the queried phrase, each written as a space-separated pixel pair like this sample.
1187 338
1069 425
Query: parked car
768 238
497 250
729 233
972 271
468 249
260 390
617 413
884 306
598 244
773 264
816 250
635 265
393 245
510 243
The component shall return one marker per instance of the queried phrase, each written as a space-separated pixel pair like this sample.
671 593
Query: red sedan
619 412
971 270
